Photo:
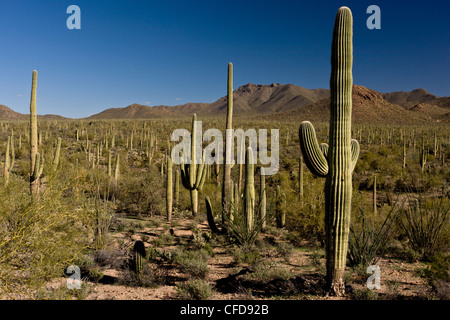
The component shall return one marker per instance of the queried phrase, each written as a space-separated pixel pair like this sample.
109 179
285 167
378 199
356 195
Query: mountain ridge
288 101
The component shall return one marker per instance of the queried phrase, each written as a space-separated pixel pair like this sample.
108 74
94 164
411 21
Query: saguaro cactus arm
354 144
312 154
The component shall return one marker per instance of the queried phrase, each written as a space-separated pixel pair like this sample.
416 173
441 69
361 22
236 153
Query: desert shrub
194 263
151 276
195 289
246 254
39 239
364 294
142 194
266 271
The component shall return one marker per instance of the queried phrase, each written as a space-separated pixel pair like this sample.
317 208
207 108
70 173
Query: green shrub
195 289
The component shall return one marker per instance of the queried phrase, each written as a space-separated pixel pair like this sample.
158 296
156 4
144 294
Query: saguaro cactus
336 162
226 187
262 199
193 175
57 154
35 161
9 162
280 208
242 229
169 190
138 256
249 190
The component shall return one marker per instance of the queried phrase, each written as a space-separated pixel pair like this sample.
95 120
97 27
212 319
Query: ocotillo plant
193 175
338 164
375 194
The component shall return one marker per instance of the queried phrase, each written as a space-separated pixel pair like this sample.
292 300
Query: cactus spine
340 159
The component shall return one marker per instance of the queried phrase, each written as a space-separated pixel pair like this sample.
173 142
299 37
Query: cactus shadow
309 284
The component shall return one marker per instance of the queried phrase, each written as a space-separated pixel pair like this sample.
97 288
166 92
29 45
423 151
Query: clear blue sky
174 52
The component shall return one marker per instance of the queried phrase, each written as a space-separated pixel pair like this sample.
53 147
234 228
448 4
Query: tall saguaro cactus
226 187
35 161
336 163
193 175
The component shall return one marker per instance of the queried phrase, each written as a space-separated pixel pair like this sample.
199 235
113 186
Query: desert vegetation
105 196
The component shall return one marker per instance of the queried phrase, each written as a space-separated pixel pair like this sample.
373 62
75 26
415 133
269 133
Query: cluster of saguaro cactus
193 175
246 226
337 160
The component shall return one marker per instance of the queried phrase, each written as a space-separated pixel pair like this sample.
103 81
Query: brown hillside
368 107
7 113
415 97
249 99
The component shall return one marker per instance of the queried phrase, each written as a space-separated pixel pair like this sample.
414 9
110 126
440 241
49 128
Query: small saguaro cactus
138 256
280 208
9 161
423 156
193 175
57 154
262 199
249 190
337 161
169 190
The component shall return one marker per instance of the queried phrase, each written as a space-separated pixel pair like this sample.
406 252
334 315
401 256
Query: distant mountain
288 101
7 113
418 96
368 107
249 99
